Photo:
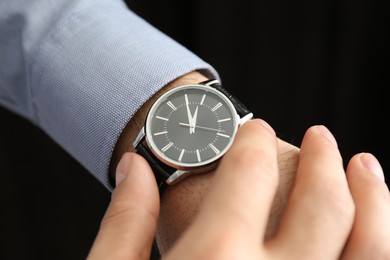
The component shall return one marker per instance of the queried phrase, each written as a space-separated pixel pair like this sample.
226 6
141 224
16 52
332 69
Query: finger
236 208
129 224
319 214
371 231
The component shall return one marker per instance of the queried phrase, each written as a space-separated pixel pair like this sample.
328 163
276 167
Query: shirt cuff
92 73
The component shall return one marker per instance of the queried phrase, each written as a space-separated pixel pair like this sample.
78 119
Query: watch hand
203 127
194 120
190 119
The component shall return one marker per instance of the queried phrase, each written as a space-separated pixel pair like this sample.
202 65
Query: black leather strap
161 170
242 110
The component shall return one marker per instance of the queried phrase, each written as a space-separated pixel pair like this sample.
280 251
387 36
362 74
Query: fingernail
325 132
370 162
122 169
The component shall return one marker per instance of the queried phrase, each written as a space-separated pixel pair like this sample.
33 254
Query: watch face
191 126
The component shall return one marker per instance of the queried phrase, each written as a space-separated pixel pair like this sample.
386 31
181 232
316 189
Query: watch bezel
207 164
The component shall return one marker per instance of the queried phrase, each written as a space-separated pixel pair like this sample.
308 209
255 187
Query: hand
320 221
190 118
194 118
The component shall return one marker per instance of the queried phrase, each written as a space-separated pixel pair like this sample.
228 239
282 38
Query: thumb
129 224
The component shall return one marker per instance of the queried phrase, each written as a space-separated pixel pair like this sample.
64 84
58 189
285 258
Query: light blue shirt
80 69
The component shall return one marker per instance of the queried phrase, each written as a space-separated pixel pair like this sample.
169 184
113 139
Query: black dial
191 126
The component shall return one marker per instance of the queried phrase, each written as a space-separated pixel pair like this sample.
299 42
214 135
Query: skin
180 203
329 213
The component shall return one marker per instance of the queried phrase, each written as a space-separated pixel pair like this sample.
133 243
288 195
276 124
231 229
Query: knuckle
121 211
117 211
338 203
378 251
255 160
374 188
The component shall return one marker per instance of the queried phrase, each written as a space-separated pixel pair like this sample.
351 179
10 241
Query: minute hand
203 127
193 122
189 114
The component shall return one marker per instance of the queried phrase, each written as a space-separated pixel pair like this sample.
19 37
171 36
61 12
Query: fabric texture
80 69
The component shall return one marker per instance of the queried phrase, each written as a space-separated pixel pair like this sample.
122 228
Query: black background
293 63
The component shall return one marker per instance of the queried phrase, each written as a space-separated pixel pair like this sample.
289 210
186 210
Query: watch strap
161 170
242 110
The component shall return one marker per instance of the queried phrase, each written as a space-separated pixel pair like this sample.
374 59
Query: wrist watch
188 129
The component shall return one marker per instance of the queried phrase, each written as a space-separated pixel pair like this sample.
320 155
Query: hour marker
186 97
204 96
165 148
216 151
224 120
169 103
162 118
198 155
216 107
181 154
223 135
160 133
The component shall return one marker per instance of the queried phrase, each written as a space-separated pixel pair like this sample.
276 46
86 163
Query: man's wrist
129 133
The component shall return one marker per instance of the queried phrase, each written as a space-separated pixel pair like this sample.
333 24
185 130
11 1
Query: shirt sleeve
80 69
